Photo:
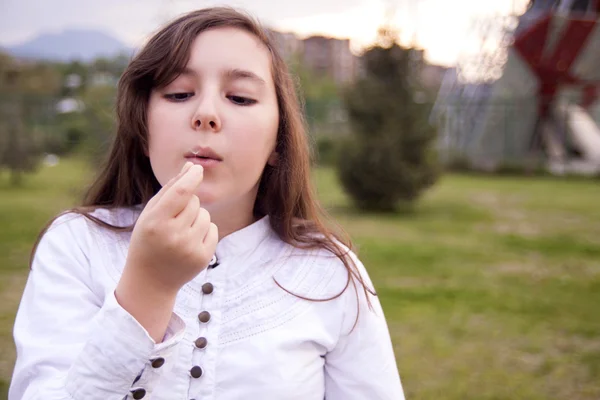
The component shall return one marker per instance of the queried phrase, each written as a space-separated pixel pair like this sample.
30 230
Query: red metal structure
545 100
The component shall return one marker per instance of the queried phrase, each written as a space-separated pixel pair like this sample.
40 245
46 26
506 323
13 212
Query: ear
273 159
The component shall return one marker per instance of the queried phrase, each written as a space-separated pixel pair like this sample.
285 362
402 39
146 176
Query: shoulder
79 244
74 230
79 222
119 217
322 273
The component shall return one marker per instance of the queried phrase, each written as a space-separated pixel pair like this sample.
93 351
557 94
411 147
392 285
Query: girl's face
224 101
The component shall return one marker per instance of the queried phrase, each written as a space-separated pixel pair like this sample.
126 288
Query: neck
228 224
232 216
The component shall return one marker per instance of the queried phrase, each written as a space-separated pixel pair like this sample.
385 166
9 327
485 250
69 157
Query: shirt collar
244 240
239 242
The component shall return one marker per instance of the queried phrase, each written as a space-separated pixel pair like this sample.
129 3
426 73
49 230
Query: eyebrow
234 74
231 75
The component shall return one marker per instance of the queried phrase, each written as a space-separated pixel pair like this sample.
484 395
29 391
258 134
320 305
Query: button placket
144 383
204 319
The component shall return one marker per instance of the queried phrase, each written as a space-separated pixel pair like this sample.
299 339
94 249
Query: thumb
186 167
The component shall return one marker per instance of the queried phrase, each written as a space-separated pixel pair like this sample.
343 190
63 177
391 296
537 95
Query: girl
137 294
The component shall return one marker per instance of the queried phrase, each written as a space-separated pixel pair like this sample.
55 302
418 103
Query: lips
204 153
204 156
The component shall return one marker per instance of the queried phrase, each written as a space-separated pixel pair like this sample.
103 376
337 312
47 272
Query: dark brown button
138 394
201 342
204 316
158 362
207 288
196 372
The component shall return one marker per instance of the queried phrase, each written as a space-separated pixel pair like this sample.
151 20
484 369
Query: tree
389 158
26 94
318 91
17 147
100 123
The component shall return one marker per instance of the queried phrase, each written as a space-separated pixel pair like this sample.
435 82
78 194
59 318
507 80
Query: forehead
229 48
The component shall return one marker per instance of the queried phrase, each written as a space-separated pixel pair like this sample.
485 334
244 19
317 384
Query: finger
188 215
176 197
174 179
211 239
201 223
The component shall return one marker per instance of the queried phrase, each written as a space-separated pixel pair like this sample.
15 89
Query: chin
206 198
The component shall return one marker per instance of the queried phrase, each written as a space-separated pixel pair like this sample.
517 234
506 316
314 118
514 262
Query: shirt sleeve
73 343
362 365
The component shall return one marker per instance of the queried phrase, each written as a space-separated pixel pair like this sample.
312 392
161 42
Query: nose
206 116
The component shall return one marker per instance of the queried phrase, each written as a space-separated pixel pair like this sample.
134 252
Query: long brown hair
285 191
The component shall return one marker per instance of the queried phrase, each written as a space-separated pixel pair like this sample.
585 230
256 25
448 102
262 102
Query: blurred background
458 143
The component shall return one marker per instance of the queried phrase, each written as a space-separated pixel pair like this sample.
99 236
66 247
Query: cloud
133 20
444 27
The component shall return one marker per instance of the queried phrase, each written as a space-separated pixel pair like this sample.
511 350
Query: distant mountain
73 44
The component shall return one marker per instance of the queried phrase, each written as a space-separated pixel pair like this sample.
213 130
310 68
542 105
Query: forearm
83 352
149 303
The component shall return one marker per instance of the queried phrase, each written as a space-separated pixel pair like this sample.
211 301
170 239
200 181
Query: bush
390 158
376 178
327 150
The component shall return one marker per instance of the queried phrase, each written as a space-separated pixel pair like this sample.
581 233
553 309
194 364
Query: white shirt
75 342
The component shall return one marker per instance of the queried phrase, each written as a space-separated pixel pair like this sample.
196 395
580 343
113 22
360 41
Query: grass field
491 288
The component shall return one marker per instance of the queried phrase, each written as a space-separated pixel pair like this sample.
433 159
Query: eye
178 96
241 101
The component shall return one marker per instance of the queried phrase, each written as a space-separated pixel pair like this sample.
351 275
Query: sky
443 28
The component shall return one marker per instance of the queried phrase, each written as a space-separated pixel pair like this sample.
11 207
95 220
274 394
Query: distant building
331 57
321 54
286 43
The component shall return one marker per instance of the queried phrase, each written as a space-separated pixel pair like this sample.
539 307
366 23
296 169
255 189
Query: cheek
258 134
158 119
161 146
163 122
253 148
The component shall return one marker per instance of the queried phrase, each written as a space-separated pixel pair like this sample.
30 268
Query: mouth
204 156
203 153
204 161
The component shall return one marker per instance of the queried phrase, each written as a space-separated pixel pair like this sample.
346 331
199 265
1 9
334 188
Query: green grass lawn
490 288
23 212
